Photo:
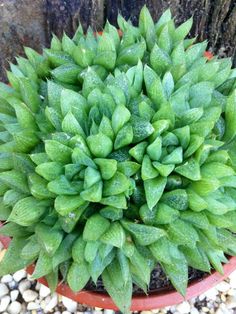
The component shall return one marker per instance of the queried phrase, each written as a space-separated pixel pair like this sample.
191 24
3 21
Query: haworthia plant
118 153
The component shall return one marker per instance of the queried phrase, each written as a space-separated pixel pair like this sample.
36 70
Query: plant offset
118 153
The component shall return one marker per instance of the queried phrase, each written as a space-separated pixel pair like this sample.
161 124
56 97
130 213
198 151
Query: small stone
14 308
194 310
211 294
13 285
69 304
205 309
44 291
51 304
183 307
66 312
38 285
14 295
6 279
231 302
223 298
24 285
146 312
19 275
1 246
223 286
57 312
111 312
201 297
98 309
33 306
29 295
4 303
232 280
3 290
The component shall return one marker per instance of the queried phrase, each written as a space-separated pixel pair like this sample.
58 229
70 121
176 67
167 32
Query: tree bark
31 23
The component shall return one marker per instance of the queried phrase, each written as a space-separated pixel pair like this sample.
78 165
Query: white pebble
4 303
109 312
19 275
6 279
57 312
3 290
223 286
33 306
232 280
194 311
52 303
1 246
14 308
44 291
38 285
66 312
24 285
69 304
29 295
231 302
143 312
13 285
211 294
183 307
14 295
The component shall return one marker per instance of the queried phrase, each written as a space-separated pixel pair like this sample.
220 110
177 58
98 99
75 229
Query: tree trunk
31 23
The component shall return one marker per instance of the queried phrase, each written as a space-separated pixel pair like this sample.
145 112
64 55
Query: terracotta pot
140 302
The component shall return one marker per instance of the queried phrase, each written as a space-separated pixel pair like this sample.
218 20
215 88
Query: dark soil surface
159 281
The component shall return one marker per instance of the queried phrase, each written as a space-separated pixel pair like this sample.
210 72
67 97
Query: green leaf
100 145
182 233
197 219
144 235
217 170
49 238
164 170
132 54
107 167
124 137
10 263
177 199
78 276
64 204
29 95
140 267
201 94
164 41
58 58
61 186
118 201
120 117
178 274
230 118
175 157
182 31
190 169
165 214
128 168
154 150
196 202
31 250
94 193
160 60
81 158
53 148
91 250
195 142
154 189
138 151
78 249
16 180
154 86
111 213
114 236
64 251
147 170
119 183
141 128
95 227
71 125
43 266
205 186
120 291
11 197
38 187
66 73
49 170
27 211
196 258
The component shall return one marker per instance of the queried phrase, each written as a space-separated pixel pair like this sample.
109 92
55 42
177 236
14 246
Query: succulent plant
118 153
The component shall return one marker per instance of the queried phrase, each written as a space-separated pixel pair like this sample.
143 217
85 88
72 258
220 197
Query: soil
159 282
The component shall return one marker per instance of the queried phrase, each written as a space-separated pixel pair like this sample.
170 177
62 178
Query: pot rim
154 300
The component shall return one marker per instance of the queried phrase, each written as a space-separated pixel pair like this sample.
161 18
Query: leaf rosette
118 153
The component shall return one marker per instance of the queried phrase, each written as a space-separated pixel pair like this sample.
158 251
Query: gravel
21 295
